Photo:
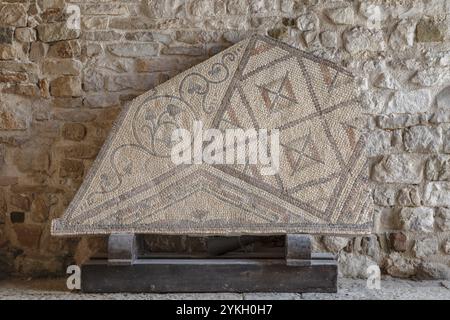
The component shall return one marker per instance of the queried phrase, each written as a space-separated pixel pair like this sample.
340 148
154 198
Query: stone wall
61 89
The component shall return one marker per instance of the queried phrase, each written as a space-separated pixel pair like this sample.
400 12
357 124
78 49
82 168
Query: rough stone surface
443 98
56 32
134 50
25 34
430 30
13 14
400 266
402 168
437 194
344 15
354 266
417 219
398 241
403 35
6 35
426 247
359 39
335 244
66 86
443 219
409 102
423 139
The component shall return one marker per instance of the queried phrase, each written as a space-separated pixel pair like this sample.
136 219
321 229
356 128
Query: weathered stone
443 98
403 35
93 49
50 15
111 9
425 247
384 196
44 88
143 36
65 49
307 22
38 265
446 247
40 209
344 15
61 67
423 139
8 180
408 197
74 131
13 77
370 245
20 202
37 51
334 243
94 23
431 77
13 117
410 102
354 265
66 86
378 142
443 219
13 14
109 35
101 100
397 121
71 169
386 81
433 271
329 39
74 115
158 9
29 90
17 217
164 64
438 168
7 52
32 159
359 39
93 79
51 32
446 139
81 151
6 35
137 82
134 49
25 34
19 66
234 7
28 235
430 30
185 51
131 23
417 219
437 194
399 168
398 241
399 266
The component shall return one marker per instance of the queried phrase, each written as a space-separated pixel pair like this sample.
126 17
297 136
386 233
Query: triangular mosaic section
321 186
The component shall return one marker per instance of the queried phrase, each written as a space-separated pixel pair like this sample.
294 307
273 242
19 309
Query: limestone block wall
61 89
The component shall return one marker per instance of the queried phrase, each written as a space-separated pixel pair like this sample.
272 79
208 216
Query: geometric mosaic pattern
321 186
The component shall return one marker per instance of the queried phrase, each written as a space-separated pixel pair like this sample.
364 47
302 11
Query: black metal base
211 275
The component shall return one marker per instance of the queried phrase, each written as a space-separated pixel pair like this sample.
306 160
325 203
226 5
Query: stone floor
348 290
